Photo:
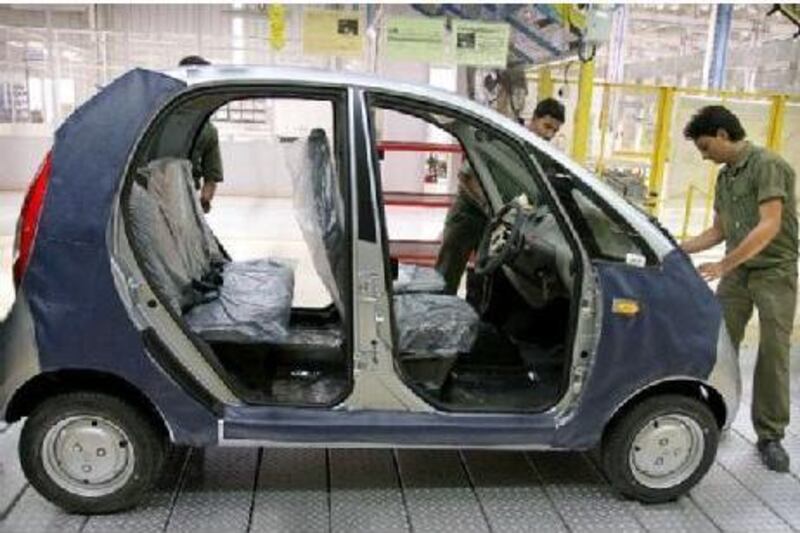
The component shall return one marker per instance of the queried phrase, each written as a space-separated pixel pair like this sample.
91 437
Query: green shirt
206 157
759 175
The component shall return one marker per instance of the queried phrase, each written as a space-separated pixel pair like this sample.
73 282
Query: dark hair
193 60
712 118
549 107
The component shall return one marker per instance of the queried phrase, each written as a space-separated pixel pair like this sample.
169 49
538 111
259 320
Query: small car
133 329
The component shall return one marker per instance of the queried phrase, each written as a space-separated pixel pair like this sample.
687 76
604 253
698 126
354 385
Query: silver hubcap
666 451
88 456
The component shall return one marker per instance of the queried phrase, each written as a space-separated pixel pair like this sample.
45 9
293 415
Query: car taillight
28 221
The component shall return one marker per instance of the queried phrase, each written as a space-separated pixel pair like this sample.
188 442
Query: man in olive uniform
468 216
754 213
206 157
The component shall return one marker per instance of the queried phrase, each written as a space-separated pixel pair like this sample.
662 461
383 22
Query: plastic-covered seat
253 305
160 259
414 279
319 210
432 329
435 323
246 302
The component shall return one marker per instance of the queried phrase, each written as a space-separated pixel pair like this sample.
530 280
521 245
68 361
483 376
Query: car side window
611 240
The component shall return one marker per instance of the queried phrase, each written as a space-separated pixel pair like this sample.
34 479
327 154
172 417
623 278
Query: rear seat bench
224 301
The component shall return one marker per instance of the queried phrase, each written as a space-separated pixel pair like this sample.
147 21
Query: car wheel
661 448
90 453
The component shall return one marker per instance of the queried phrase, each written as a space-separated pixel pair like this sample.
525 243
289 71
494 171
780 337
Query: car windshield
508 170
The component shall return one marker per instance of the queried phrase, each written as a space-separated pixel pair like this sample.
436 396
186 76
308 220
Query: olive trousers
773 291
463 230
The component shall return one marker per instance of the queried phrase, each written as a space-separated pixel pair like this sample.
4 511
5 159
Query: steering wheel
503 238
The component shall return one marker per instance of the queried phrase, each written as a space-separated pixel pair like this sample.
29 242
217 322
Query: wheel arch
691 388
49 384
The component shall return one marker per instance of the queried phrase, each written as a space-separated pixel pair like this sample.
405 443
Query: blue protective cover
673 335
79 318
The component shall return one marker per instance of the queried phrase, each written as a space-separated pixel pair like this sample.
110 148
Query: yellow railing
603 111
666 99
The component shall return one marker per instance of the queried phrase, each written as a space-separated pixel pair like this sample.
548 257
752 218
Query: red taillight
29 219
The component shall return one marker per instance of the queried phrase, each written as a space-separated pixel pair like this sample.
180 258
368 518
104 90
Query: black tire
619 438
148 448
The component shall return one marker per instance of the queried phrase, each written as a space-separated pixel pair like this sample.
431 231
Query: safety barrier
636 140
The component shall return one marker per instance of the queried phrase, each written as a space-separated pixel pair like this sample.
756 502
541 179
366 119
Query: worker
754 214
206 157
467 218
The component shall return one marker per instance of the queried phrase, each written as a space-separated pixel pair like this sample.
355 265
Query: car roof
211 75
197 75
216 74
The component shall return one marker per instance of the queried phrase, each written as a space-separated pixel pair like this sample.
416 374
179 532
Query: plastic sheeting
160 258
414 278
435 323
254 305
319 210
167 185
319 338
168 227
248 302
170 181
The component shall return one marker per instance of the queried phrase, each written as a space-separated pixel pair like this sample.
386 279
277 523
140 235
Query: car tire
91 453
661 448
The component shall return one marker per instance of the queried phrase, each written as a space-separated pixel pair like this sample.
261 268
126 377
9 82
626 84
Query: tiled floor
400 490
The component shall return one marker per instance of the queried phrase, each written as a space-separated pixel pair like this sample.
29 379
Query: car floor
293 489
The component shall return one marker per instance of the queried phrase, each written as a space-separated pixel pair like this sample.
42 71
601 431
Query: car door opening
501 341
272 350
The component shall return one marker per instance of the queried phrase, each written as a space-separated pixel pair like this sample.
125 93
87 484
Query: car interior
270 350
503 344
513 320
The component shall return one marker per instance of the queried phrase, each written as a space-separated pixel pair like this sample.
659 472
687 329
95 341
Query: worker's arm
212 167
708 239
759 237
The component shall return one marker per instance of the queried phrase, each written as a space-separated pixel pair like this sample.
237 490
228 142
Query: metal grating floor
229 489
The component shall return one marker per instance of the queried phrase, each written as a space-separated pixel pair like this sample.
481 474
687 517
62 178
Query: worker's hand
207 194
712 271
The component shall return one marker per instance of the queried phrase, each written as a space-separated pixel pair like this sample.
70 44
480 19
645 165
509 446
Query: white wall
254 162
22 149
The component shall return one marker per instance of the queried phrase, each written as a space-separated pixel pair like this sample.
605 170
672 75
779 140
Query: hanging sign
276 17
481 44
333 32
414 39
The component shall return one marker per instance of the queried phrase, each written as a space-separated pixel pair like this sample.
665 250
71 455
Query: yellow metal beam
776 113
545 84
580 133
687 212
666 98
600 167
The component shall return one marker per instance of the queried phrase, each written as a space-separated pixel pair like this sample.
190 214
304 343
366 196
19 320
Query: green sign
480 44
414 39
